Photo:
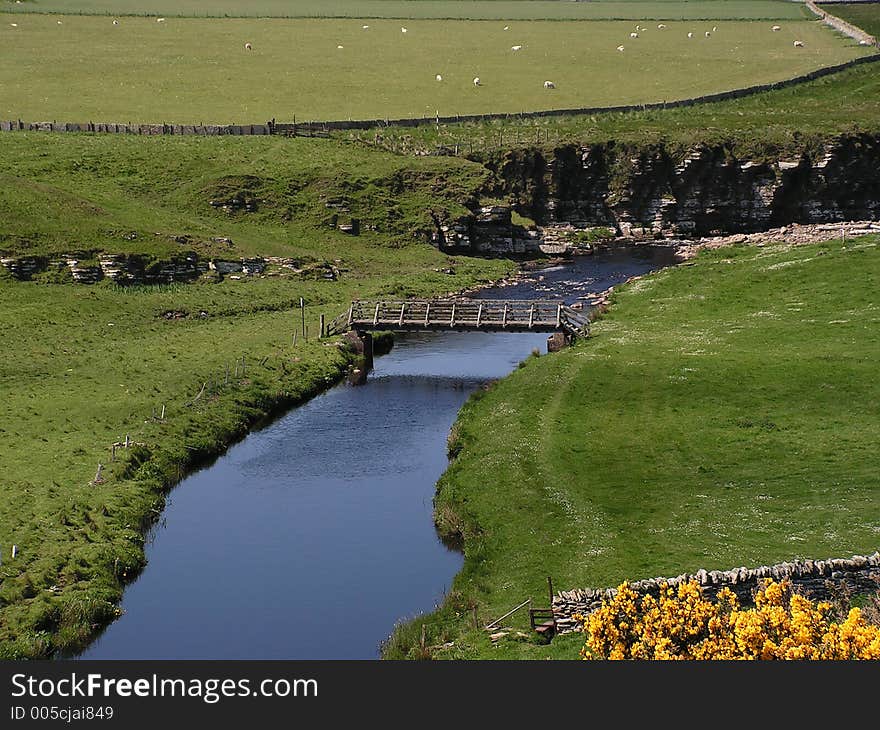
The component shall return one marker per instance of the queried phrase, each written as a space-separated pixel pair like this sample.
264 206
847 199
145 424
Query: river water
310 538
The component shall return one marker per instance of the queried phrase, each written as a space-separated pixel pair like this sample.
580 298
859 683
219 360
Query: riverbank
104 365
719 415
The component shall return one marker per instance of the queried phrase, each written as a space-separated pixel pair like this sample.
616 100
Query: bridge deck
484 315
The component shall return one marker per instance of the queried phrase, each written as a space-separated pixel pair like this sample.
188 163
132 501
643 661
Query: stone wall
839 24
816 579
205 130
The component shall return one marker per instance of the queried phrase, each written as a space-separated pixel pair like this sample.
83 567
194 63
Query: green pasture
461 9
192 70
766 123
723 414
82 366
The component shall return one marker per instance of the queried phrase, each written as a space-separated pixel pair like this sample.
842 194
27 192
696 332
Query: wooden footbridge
480 315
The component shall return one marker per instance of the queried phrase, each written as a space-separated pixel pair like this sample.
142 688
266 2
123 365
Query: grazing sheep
160 20
798 44
365 26
340 47
476 81
714 28
14 25
549 85
115 22
506 27
633 35
690 35
403 30
60 23
438 77
708 34
620 48
247 46
515 48
662 26
776 28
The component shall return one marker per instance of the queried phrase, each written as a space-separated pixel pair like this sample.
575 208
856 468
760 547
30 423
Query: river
311 537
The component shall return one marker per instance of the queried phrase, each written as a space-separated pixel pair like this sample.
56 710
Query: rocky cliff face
653 191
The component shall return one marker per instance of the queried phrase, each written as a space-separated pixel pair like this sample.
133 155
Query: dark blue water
312 537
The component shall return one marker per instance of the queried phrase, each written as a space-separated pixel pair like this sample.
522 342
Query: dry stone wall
816 579
839 24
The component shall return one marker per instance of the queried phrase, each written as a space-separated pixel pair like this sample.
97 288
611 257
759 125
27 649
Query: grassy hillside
123 194
189 71
466 9
84 366
724 413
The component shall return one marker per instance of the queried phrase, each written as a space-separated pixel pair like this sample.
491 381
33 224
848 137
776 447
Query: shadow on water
314 534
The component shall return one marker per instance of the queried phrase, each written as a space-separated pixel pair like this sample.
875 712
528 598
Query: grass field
770 122
463 9
85 365
722 414
865 15
192 71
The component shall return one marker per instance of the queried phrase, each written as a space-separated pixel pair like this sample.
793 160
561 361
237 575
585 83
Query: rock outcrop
655 191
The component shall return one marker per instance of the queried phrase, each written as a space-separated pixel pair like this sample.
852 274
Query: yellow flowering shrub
682 624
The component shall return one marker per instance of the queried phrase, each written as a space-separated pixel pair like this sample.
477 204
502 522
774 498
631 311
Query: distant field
864 15
198 70
467 9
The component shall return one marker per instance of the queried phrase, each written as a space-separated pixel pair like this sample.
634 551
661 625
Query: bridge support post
558 341
362 344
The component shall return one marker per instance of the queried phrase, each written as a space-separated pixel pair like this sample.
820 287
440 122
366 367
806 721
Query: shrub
682 624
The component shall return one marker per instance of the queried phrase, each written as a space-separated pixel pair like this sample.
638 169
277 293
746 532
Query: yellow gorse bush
682 624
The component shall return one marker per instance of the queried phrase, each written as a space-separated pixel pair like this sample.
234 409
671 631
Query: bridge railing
470 313
486 314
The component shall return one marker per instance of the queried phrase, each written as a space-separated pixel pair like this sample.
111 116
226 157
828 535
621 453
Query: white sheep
662 26
14 25
549 85
365 27
714 28
633 35
798 44
708 34
690 35
776 28
340 47
506 27
515 48
160 20
60 23
247 46
403 30
620 48
438 77
115 22
476 81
